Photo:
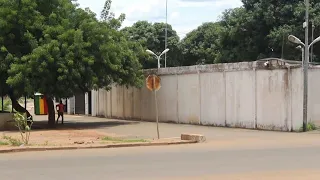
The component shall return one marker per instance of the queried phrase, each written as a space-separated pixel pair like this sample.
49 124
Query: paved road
202 161
228 154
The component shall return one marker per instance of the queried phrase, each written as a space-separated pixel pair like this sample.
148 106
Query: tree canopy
202 46
152 36
258 29
57 48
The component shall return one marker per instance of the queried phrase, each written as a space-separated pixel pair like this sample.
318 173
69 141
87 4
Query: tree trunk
51 112
16 106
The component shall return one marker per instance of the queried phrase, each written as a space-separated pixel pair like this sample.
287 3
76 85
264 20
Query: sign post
153 83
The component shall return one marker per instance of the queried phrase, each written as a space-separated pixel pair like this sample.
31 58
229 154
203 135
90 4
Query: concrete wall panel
240 99
128 103
189 98
213 92
108 107
296 99
117 102
71 106
136 103
168 99
148 112
106 104
272 99
314 96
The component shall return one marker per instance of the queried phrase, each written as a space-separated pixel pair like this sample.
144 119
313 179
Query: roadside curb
193 137
30 149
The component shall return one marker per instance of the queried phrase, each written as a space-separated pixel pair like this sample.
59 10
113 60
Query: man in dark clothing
60 110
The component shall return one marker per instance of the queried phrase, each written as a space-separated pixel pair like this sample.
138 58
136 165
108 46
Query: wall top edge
263 64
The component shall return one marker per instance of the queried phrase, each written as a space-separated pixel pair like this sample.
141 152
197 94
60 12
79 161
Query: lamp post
312 33
154 88
166 35
158 57
305 63
302 52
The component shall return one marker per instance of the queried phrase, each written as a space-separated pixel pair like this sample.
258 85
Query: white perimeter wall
243 95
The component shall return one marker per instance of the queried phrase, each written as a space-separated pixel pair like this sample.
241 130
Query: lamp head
150 52
295 40
165 51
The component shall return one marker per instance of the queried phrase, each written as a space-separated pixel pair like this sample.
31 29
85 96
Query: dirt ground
64 138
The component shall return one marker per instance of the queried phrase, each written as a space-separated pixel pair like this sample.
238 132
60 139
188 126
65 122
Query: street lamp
158 57
302 51
295 40
315 41
305 62
312 33
166 35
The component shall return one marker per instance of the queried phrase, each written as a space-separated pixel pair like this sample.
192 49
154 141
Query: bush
25 129
310 127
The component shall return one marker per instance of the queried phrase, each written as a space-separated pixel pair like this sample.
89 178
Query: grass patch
310 127
12 141
107 138
3 143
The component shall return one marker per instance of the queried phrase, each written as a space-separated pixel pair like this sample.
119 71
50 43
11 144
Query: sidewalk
75 135
223 137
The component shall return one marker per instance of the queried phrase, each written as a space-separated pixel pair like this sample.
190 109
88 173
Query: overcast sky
183 15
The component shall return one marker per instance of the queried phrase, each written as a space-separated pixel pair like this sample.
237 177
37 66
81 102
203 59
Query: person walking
60 110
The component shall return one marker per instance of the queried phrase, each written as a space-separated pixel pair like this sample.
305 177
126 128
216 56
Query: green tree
60 49
17 20
152 36
202 46
108 16
260 29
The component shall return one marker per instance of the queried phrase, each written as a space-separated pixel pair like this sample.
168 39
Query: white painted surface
213 105
137 104
296 100
71 105
240 99
148 112
314 95
272 99
108 104
68 107
86 104
189 98
168 99
94 103
117 102
128 103
236 95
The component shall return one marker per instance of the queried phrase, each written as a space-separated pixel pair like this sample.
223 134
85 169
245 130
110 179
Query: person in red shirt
60 110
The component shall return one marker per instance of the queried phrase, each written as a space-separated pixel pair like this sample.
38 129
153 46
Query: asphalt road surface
197 161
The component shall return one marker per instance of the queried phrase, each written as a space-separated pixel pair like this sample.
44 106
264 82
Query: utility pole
166 35
305 69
